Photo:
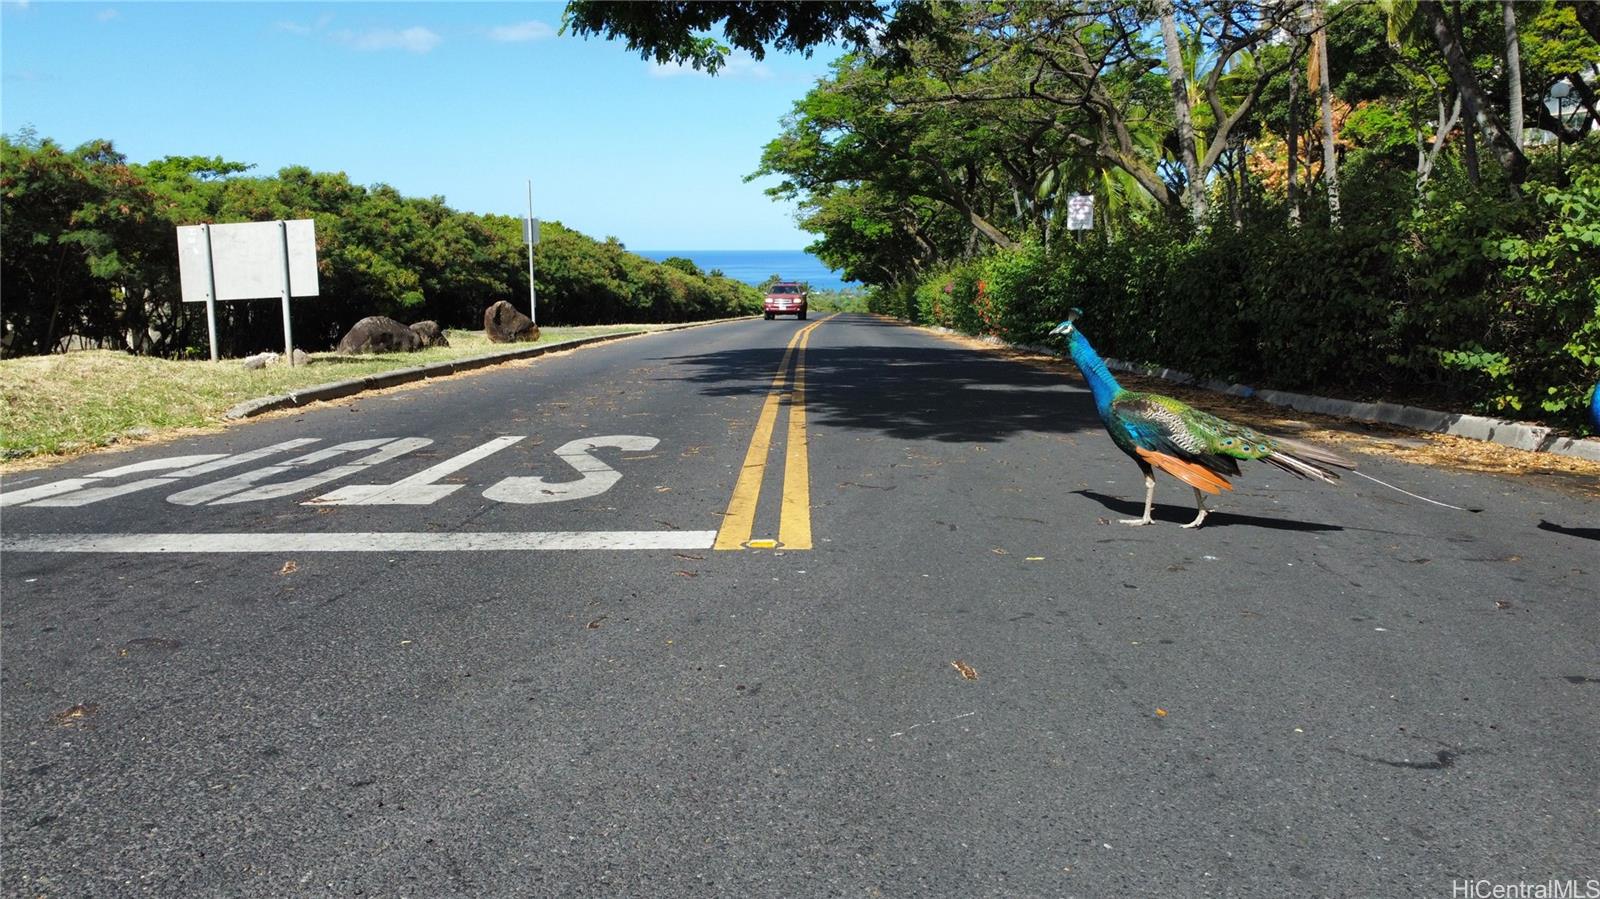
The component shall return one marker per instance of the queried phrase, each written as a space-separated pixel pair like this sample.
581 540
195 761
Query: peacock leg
1200 509
1149 503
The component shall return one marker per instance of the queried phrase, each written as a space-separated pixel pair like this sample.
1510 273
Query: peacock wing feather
1225 438
1164 424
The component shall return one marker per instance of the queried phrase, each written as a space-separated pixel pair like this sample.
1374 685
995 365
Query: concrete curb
339 389
1515 434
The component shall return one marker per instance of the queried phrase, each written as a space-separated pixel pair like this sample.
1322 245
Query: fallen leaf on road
688 556
686 573
1161 713
999 552
1035 559
1102 521
74 716
289 567
967 671
596 623
1502 604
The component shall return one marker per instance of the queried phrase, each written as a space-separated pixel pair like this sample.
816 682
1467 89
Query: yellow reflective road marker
738 522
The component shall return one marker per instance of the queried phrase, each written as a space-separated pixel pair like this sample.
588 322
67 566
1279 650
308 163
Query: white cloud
521 31
415 39
738 65
297 28
106 15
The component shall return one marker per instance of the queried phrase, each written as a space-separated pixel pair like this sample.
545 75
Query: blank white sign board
248 260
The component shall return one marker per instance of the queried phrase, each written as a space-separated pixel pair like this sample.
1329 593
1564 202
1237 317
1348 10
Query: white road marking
237 488
207 464
14 497
403 541
55 488
416 490
595 476
598 477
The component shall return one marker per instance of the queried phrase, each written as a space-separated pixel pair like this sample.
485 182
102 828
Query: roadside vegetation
1376 200
88 262
838 301
65 403
88 257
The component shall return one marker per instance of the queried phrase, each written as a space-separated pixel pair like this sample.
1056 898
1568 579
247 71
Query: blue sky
462 100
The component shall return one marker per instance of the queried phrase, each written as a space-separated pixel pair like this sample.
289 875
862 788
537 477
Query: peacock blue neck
1104 387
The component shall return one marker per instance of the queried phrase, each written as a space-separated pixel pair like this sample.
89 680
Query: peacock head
1067 328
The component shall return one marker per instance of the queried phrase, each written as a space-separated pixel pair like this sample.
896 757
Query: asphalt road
216 688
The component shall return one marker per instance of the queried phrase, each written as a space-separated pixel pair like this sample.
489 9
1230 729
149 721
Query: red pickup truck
785 298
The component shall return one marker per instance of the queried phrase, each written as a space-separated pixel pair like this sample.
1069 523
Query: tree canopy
1295 174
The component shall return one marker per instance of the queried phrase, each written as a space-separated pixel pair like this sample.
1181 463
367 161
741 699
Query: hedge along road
319 654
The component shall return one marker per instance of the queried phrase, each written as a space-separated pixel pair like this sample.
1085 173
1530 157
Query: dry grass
1564 473
54 406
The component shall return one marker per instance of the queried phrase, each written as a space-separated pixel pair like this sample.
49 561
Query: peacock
1195 447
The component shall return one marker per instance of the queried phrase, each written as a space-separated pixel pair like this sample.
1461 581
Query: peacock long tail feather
1306 461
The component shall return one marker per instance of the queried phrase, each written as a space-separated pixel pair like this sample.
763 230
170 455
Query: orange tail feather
1197 476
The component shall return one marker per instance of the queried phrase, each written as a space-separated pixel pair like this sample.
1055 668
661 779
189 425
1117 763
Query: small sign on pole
1080 212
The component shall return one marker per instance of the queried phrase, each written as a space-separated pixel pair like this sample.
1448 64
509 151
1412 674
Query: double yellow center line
794 520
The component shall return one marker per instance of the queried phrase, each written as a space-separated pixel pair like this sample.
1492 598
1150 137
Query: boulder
502 323
379 334
260 360
430 334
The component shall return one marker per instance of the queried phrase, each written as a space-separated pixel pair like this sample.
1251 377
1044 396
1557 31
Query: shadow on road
1217 519
1584 533
913 392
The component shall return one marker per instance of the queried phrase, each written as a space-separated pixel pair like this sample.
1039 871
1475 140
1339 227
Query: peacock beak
1063 328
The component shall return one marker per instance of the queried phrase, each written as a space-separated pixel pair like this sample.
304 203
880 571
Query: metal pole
211 293
288 334
533 294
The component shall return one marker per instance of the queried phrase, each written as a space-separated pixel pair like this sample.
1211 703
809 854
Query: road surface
783 608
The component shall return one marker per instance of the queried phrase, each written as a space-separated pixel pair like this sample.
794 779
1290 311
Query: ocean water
755 266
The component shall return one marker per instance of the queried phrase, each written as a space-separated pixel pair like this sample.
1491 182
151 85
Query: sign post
288 332
211 294
531 234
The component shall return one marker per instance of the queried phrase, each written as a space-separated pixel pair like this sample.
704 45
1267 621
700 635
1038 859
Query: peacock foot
1135 522
1198 520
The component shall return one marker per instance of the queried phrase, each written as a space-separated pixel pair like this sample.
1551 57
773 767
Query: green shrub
1465 296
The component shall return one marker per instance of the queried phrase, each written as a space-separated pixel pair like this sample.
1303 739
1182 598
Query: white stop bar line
355 542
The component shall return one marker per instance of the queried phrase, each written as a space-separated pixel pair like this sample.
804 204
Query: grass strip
67 403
